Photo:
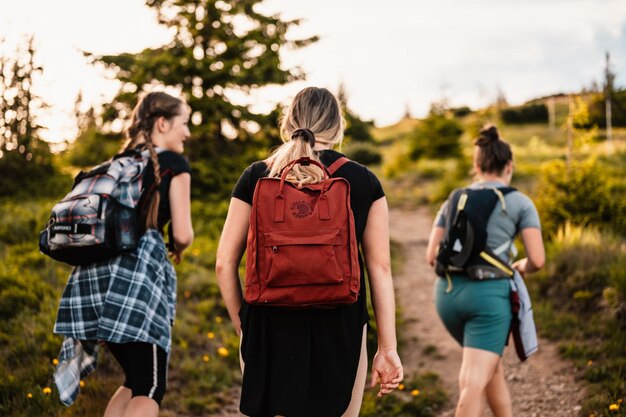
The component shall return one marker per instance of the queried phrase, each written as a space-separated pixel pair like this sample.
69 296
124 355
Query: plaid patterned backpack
98 218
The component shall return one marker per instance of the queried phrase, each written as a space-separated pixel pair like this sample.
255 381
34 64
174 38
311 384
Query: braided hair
145 114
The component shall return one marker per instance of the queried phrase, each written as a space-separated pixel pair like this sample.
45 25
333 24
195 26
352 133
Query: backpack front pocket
303 257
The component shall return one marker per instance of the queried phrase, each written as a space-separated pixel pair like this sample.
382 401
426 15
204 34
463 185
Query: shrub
528 113
364 153
34 178
461 111
22 221
579 194
597 109
438 136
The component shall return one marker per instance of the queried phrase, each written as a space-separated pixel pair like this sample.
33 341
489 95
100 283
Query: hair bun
487 135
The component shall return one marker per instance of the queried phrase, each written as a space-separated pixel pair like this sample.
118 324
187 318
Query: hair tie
305 134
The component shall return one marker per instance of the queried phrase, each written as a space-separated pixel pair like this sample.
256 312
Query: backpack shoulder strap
334 167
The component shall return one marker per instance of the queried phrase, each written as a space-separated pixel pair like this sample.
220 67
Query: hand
521 266
176 255
386 370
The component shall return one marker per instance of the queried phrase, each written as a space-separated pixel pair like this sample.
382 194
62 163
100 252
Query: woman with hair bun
312 361
477 310
128 302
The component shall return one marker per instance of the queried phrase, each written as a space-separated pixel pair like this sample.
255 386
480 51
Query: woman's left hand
386 370
176 255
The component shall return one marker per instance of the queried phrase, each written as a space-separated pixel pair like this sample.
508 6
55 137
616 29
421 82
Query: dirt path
542 386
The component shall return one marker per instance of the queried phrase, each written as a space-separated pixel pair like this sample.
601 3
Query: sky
391 55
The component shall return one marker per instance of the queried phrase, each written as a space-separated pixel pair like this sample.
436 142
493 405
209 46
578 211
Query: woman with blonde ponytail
128 302
310 361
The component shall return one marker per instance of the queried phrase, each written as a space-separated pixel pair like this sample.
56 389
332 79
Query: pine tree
19 130
26 166
219 48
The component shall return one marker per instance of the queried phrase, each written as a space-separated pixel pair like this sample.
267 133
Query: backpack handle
304 161
279 201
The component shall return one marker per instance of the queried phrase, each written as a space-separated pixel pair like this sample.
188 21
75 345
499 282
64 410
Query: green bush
580 194
597 109
21 221
31 178
461 111
437 137
93 147
528 113
364 153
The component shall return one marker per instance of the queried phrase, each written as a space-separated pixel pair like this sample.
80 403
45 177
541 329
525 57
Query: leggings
145 368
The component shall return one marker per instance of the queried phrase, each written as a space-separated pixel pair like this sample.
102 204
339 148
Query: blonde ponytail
313 110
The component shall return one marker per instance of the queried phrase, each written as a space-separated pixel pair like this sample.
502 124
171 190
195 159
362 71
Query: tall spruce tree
26 166
19 105
219 48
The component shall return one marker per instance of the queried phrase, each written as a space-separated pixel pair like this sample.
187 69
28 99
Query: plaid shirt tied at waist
129 298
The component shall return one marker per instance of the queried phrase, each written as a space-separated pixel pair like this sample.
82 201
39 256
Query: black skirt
302 362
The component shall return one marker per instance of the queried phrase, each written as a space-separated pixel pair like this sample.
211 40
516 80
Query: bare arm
180 207
386 367
229 253
436 234
535 253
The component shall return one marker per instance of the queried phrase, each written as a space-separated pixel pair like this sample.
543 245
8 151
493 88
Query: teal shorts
476 313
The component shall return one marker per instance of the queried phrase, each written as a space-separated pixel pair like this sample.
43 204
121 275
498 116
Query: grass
580 297
397 131
421 397
204 363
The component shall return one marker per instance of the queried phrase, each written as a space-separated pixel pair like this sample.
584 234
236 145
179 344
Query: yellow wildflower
613 407
55 361
195 252
205 358
187 294
81 383
29 395
401 387
222 352
210 335
47 390
415 392
218 319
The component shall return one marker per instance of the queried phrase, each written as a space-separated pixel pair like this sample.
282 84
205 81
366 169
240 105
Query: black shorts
145 368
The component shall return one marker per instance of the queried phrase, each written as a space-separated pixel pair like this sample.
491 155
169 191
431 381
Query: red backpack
302 248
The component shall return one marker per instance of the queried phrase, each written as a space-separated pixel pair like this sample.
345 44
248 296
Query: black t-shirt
305 360
171 164
365 188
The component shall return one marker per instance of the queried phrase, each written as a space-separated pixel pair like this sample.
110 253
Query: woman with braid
128 302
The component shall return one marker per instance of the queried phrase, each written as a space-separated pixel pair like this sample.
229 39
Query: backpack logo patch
301 209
